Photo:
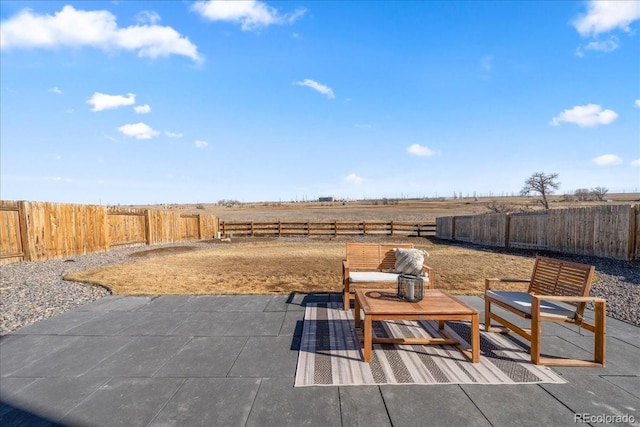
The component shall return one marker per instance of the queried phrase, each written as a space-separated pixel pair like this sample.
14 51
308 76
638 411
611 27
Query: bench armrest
567 298
345 269
428 271
489 282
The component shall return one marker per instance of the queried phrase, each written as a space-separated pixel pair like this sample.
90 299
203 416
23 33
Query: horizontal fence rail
609 231
31 231
328 228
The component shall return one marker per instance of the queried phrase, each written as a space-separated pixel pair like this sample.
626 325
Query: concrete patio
231 361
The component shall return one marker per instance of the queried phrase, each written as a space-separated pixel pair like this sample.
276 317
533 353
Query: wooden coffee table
437 305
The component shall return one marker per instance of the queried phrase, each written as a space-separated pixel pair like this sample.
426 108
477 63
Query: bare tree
583 194
500 207
599 192
541 183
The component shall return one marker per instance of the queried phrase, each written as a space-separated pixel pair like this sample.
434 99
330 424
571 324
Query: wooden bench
370 265
558 292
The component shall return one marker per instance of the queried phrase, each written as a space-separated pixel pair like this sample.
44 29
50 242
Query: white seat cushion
376 277
522 302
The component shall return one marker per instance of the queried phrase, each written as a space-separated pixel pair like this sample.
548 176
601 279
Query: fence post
147 226
105 230
24 230
335 229
364 228
634 233
391 228
507 226
453 228
418 229
308 228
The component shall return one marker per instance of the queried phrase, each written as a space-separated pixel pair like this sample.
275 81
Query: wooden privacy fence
610 231
330 228
41 230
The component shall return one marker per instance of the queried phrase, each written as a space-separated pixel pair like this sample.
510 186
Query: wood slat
42 230
609 231
373 256
307 228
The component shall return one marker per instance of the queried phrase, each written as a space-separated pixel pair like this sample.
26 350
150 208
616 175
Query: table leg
356 314
440 324
367 338
475 338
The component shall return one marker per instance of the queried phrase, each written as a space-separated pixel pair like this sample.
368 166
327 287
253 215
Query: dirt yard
284 265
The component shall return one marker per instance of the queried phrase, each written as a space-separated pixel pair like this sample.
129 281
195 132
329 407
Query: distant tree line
545 184
586 195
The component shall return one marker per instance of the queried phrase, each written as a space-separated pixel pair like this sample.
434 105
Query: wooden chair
558 292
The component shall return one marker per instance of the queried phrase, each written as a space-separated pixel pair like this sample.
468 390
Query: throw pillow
409 261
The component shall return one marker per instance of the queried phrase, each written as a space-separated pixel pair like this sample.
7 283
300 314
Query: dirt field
381 210
283 265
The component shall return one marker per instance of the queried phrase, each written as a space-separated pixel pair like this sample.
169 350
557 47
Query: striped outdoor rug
330 355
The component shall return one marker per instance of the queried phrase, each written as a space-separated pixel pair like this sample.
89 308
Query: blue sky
132 102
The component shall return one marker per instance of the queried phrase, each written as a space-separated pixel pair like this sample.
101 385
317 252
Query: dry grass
276 266
376 210
272 266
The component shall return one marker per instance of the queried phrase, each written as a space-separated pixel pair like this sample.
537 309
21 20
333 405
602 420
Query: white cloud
635 163
353 179
420 150
147 17
250 14
173 134
606 46
607 160
201 144
637 103
55 90
319 87
98 29
102 101
606 16
585 116
142 109
138 130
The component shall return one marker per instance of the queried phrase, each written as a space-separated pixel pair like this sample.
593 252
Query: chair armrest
567 298
489 282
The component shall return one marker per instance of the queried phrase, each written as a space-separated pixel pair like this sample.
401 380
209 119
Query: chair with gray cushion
558 292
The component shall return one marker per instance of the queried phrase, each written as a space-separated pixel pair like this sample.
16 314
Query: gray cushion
522 302
409 261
